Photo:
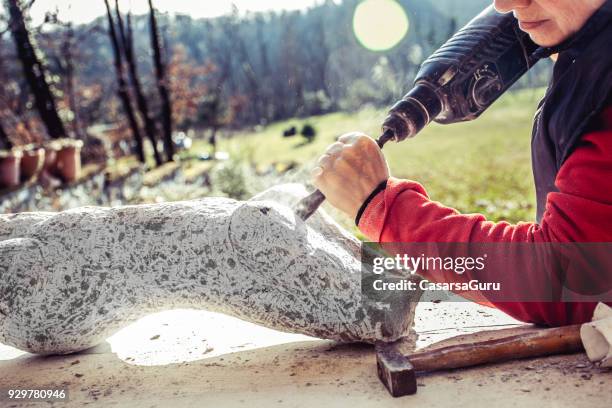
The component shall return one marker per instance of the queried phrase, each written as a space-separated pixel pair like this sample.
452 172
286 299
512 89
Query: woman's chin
544 39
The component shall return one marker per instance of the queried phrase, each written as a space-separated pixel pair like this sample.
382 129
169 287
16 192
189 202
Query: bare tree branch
34 71
162 83
141 101
122 91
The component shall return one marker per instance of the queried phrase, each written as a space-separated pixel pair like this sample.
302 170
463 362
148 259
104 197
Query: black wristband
382 186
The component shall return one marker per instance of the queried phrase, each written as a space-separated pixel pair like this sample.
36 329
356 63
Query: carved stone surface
69 280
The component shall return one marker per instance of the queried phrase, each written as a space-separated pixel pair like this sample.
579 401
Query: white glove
597 336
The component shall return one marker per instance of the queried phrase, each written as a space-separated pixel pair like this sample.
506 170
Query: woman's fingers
352 137
349 170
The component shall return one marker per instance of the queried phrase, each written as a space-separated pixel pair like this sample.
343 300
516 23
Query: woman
571 159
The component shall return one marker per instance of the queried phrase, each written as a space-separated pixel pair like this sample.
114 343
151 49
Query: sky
84 11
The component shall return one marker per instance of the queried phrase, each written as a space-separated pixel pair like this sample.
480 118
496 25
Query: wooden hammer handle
560 340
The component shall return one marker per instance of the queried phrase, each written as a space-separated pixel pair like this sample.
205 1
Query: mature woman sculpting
571 159
68 280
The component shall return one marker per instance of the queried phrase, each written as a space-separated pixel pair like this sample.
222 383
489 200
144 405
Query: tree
237 43
290 86
13 129
452 27
212 111
320 56
34 70
62 45
5 143
188 86
69 71
162 83
122 90
127 39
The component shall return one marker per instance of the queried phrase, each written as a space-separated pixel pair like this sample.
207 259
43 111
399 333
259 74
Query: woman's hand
349 171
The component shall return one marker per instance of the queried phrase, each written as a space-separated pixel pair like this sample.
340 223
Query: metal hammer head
395 370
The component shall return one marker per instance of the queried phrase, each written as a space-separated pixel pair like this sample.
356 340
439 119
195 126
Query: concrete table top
186 358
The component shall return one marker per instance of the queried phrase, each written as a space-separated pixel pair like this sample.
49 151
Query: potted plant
32 161
9 168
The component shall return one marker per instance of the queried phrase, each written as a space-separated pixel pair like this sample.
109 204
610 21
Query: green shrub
309 132
230 179
289 132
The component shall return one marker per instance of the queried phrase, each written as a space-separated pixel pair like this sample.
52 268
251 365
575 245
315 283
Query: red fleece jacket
581 211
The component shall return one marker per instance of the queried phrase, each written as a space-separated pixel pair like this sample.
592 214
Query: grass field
481 166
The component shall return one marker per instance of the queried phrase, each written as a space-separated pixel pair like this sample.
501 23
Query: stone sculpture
69 280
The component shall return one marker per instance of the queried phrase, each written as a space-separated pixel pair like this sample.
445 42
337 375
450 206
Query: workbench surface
186 358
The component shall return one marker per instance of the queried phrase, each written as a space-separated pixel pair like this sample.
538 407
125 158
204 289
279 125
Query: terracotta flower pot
68 162
51 149
9 168
32 162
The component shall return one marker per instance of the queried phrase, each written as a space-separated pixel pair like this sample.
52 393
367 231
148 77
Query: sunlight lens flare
380 25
